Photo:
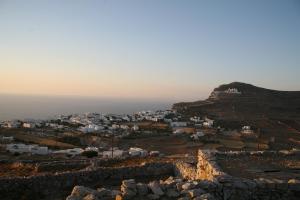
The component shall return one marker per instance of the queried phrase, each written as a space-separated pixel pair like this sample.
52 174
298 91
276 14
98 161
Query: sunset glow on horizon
147 49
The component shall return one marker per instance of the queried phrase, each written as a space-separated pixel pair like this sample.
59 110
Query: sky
151 49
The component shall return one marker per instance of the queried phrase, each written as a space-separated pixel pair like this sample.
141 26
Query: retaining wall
59 185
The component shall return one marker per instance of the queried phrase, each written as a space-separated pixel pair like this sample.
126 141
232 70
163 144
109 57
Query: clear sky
158 49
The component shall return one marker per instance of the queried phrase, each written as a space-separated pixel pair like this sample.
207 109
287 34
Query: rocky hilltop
241 101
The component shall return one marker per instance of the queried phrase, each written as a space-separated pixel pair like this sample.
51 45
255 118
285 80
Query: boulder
188 186
114 193
70 197
90 197
102 192
293 181
206 196
172 193
142 189
155 188
153 196
130 183
196 192
184 198
81 191
179 186
128 188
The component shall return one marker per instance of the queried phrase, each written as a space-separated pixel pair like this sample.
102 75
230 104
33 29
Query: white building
116 153
23 148
137 152
246 131
72 152
28 125
7 138
124 127
178 131
232 91
208 122
135 127
178 124
91 149
197 135
12 124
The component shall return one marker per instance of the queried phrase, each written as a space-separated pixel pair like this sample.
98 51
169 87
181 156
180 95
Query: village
117 136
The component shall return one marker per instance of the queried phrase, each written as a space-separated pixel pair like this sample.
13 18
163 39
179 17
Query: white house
197 135
23 148
7 138
12 124
116 153
134 151
124 127
39 150
208 122
28 125
178 124
91 149
154 153
18 148
232 91
196 119
73 152
246 131
135 127
178 131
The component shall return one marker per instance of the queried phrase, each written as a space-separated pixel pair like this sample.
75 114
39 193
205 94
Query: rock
73 198
205 184
128 188
142 189
170 182
196 192
114 193
172 193
128 194
184 198
102 192
155 187
80 191
90 197
153 196
188 186
293 181
130 183
206 196
179 186
178 180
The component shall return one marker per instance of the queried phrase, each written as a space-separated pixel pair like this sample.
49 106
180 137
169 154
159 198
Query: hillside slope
241 101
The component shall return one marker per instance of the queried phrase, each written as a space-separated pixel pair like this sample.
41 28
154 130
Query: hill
241 101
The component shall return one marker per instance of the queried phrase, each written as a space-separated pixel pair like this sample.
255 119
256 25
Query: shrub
89 154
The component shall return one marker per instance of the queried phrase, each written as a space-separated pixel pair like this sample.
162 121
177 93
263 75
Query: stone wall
59 185
185 170
230 187
207 167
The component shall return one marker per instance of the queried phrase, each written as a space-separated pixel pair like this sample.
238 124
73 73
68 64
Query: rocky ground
171 188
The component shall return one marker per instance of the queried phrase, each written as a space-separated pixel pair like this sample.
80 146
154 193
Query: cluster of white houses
233 91
114 152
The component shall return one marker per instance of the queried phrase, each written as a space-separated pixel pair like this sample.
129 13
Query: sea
46 107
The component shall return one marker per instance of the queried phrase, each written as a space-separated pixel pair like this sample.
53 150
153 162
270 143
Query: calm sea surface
43 107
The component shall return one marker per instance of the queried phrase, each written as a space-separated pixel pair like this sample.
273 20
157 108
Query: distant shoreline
43 107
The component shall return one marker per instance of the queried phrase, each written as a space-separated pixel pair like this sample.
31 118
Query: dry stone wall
56 186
